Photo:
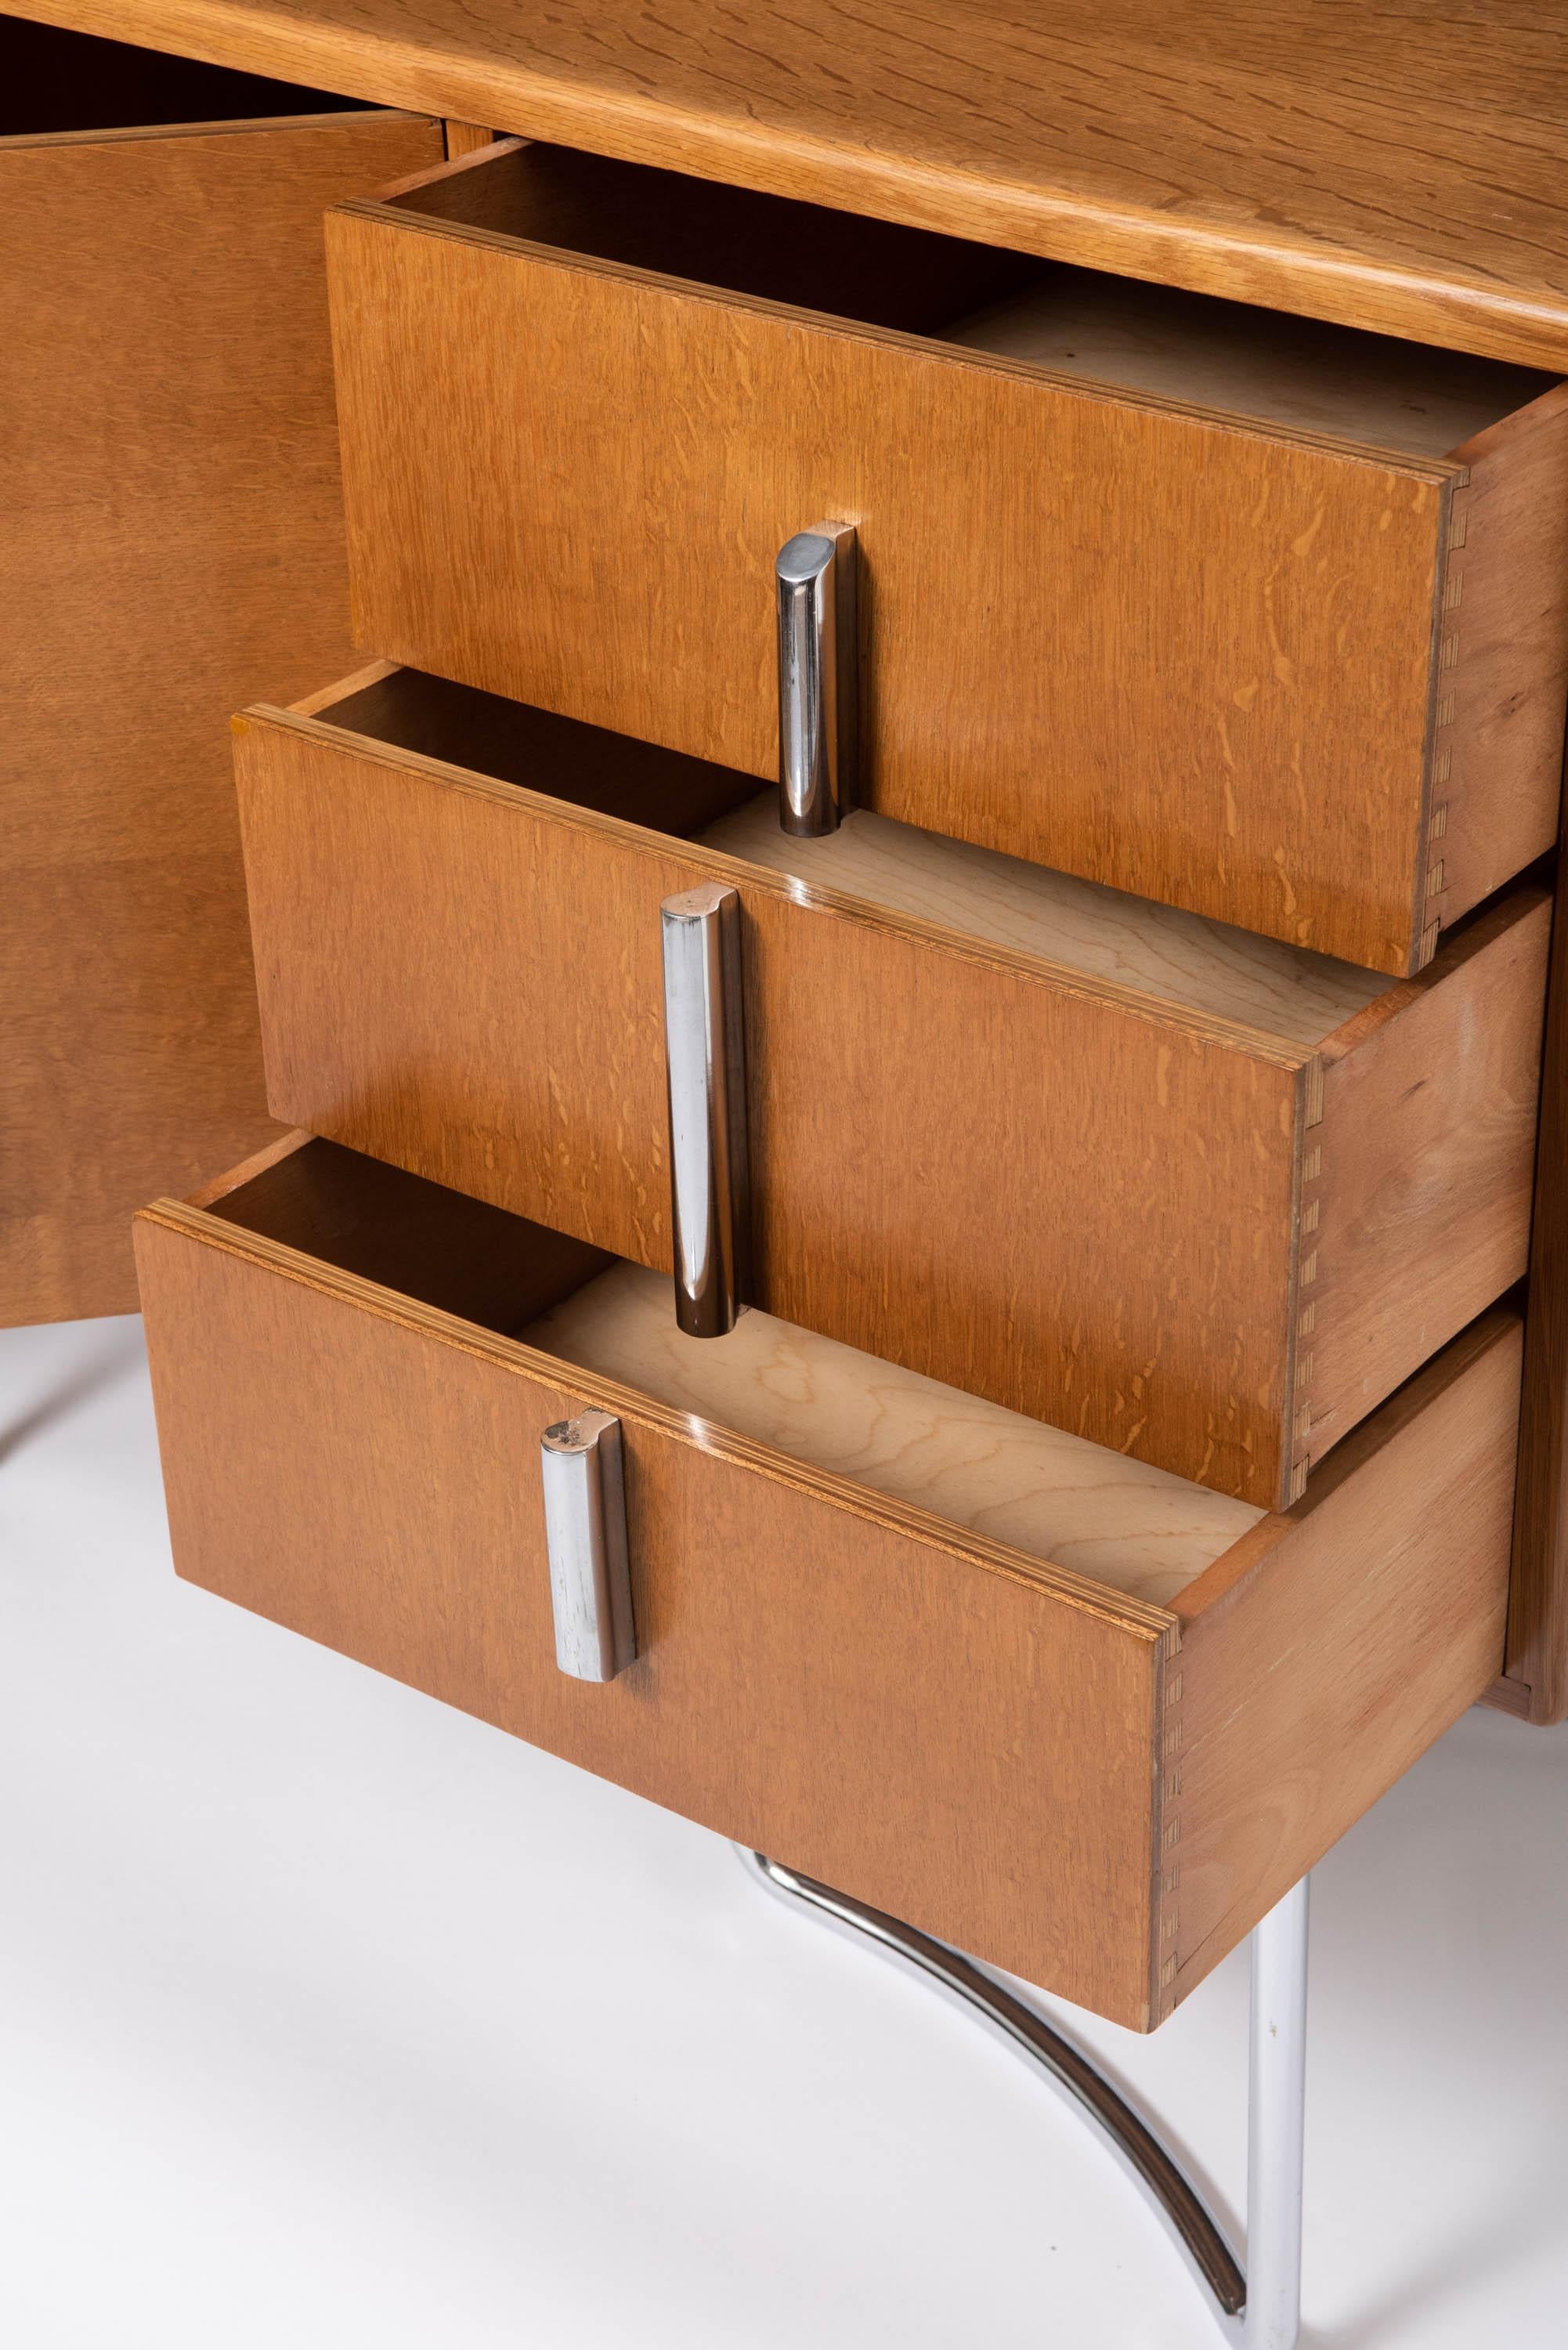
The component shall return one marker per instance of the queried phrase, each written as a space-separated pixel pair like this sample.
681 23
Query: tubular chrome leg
1262 2312
1275 2118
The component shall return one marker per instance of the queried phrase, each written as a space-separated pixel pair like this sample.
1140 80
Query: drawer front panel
1065 1200
1165 651
957 1742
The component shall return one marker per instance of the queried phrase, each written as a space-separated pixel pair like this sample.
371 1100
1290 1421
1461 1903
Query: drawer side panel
1421 1170
1331 1646
1502 662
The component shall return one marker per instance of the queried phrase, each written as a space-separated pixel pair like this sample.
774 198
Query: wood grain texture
1537 1668
1418 1184
1099 1794
1196 658
1329 1648
172 541
1261 364
1503 658
1402 171
465 139
1285 992
1134 1528
367 1472
1066 1194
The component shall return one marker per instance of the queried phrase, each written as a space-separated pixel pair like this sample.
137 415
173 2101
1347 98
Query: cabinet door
171 543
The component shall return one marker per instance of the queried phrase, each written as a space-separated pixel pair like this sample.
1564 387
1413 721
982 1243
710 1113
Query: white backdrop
334 2019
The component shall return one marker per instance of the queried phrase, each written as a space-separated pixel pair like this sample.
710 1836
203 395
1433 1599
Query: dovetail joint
1449 648
1311 1105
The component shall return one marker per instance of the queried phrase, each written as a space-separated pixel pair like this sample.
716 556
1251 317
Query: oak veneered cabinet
1199 1196
897 1634
171 542
1261 617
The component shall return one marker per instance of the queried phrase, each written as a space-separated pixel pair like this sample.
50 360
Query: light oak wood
1037 1489
172 541
466 138
1401 171
1209 661
1287 993
1073 1183
1282 1721
1097 1792
1258 363
1418 1181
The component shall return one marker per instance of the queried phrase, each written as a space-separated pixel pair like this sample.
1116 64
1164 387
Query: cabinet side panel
172 542
1377 1605
950 1742
1537 1682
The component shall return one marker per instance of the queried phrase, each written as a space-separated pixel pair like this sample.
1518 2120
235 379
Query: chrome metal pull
585 1534
818 699
704 1044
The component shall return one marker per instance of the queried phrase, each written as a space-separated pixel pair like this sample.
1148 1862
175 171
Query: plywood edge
283 1146
324 696
1435 473
1204 1028
1153 1627
485 147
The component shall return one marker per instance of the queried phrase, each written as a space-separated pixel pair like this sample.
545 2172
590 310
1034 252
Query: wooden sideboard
1147 1430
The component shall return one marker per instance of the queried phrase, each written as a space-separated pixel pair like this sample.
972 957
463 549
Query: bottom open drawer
1083 1719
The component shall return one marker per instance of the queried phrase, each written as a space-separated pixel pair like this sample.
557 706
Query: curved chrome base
1267 2318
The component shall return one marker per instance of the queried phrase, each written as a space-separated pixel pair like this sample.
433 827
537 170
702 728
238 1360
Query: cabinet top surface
1398 166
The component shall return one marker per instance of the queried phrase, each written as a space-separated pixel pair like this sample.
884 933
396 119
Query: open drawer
1243 613
1199 1196
1067 1711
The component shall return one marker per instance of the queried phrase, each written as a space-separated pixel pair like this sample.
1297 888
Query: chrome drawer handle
585 1534
814 574
705 1042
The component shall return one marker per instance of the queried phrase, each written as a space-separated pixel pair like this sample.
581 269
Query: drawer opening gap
1291 994
1053 1495
1230 357
59 83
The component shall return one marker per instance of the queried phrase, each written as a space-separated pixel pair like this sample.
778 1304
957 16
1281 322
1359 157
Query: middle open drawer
1198 1196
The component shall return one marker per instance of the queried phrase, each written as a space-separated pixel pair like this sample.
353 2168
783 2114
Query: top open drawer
1250 615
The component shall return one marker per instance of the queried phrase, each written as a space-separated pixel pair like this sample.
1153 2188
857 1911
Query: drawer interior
1041 1491
1287 993
1083 324
54 81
